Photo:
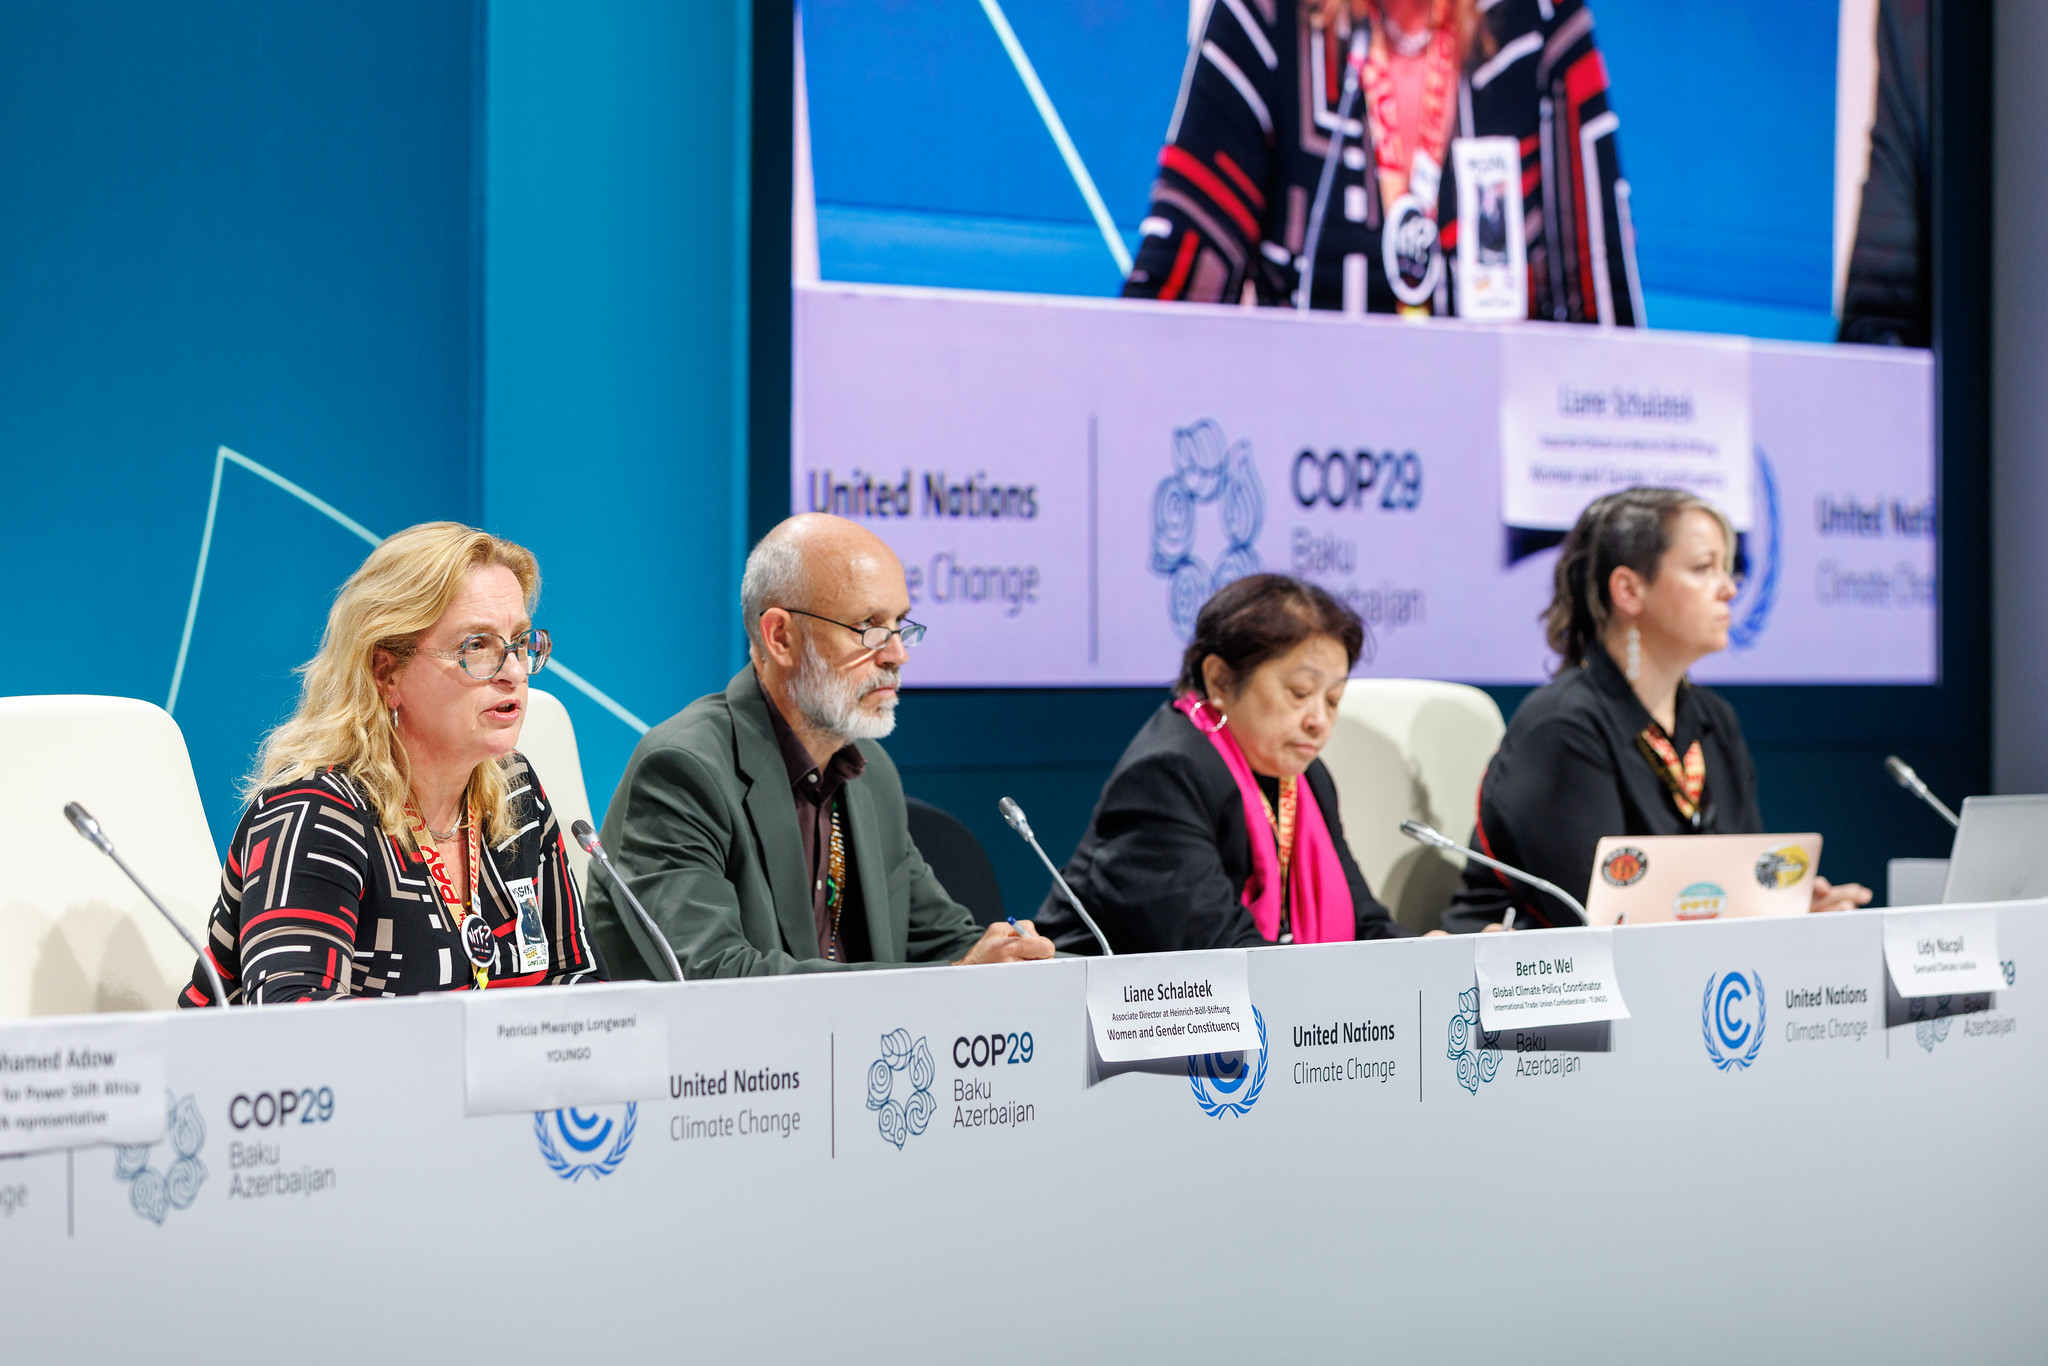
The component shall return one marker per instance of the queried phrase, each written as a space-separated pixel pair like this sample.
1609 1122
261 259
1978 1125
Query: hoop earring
1635 654
1202 703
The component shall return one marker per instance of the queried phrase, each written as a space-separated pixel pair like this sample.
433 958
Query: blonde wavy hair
1473 35
397 595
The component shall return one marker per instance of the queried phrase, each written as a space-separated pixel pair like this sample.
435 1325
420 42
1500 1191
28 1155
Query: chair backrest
75 935
548 740
962 864
1402 749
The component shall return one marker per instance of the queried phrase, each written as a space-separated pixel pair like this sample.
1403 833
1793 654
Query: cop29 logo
1206 471
1732 1019
153 1194
576 1144
1217 1078
1477 1058
899 1119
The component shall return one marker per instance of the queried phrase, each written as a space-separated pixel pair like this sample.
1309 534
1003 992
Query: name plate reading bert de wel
86 1081
550 1050
1171 1005
1546 977
1943 952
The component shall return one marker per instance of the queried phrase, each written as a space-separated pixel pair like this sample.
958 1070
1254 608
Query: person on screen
1620 742
1244 154
1888 297
1218 827
395 840
763 827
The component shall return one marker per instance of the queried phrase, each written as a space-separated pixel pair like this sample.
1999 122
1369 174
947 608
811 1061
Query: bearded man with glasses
764 827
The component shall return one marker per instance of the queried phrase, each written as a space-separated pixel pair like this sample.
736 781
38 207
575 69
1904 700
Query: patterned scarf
1684 780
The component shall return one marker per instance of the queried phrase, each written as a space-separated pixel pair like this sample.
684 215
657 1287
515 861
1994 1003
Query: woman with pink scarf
1219 826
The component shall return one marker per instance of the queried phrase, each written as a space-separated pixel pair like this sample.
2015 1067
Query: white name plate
1546 977
79 1082
1943 952
1170 1005
542 1049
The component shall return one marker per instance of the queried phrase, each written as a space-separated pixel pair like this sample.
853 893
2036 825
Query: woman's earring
394 710
1222 717
1635 656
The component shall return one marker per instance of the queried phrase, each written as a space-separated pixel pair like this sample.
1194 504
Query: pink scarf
1319 895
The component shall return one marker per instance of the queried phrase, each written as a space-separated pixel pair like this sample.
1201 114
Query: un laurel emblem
575 1144
1227 1075
1732 1019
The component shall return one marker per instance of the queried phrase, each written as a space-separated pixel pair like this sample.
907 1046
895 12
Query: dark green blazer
704 828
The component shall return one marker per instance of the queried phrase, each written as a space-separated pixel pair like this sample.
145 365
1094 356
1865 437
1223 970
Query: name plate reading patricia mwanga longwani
82 1081
1946 952
1546 977
544 1050
1171 1005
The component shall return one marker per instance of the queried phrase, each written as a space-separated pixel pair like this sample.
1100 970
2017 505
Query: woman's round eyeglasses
483 655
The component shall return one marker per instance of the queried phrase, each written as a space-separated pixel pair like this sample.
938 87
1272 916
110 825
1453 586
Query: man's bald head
815 562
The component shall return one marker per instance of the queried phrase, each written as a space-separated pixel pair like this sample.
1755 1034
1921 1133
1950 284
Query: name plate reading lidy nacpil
1546 977
1170 1005
544 1050
1947 952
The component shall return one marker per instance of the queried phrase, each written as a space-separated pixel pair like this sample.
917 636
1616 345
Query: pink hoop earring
1201 704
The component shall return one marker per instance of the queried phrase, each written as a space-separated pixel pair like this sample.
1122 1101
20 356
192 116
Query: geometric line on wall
221 459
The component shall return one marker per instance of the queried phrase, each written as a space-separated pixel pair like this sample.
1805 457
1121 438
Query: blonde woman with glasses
395 841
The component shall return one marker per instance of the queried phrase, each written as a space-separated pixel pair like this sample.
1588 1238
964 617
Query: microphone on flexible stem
1436 839
1903 774
82 821
1354 62
587 837
1014 814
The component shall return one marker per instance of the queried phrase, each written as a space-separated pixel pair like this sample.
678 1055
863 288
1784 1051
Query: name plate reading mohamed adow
1170 1005
1943 952
88 1081
1546 977
551 1050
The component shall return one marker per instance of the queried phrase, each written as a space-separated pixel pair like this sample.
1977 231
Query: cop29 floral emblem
576 1144
1732 1019
1930 1017
1207 471
1477 1060
154 1193
1223 1083
908 1061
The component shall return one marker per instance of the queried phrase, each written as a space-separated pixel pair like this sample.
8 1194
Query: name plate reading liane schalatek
542 1049
1546 977
79 1082
1170 1005
1947 952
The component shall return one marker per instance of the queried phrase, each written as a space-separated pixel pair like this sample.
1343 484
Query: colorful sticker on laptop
1781 868
1625 867
1700 901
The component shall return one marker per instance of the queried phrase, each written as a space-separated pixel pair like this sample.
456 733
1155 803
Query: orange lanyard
478 944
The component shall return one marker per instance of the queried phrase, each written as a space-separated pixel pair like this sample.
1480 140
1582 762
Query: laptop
2001 850
1639 880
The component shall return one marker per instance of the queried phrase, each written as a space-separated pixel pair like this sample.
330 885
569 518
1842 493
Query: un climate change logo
595 1144
1752 605
1227 1073
899 1119
1205 471
1476 1064
1732 1018
152 1194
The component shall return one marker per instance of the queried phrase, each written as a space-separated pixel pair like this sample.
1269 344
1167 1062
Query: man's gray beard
830 701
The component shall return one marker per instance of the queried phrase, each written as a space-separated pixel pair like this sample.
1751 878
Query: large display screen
1102 303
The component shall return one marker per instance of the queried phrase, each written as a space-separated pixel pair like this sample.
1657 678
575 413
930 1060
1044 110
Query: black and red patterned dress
317 901
1252 126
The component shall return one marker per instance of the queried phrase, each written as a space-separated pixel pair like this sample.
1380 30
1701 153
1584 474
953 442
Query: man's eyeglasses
871 637
483 655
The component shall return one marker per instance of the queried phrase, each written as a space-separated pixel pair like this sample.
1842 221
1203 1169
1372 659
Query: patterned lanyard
479 945
835 883
1394 156
1684 781
1283 835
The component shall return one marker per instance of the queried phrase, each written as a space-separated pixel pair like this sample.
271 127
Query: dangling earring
1635 655
394 710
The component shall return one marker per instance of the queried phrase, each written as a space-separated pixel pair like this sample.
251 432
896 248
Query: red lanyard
478 944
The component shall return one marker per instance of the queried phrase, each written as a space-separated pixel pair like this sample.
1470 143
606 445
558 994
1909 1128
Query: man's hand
999 943
1829 897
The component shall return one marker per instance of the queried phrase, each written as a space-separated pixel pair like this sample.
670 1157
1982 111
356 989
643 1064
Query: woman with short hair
395 841
1620 742
1219 826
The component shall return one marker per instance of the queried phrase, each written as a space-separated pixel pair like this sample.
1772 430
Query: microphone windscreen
1012 813
585 836
1901 774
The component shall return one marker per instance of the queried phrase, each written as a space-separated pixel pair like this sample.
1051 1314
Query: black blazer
1167 853
1568 773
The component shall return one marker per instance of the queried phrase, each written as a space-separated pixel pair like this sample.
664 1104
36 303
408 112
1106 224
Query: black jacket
1888 298
1164 862
1568 773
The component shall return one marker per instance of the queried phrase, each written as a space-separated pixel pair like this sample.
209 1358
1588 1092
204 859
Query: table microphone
1903 774
1423 834
587 837
1354 62
1014 814
82 821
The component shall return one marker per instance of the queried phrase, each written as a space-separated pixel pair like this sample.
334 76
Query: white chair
75 935
548 740
1402 749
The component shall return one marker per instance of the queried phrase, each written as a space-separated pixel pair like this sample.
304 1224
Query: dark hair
1258 617
1631 528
